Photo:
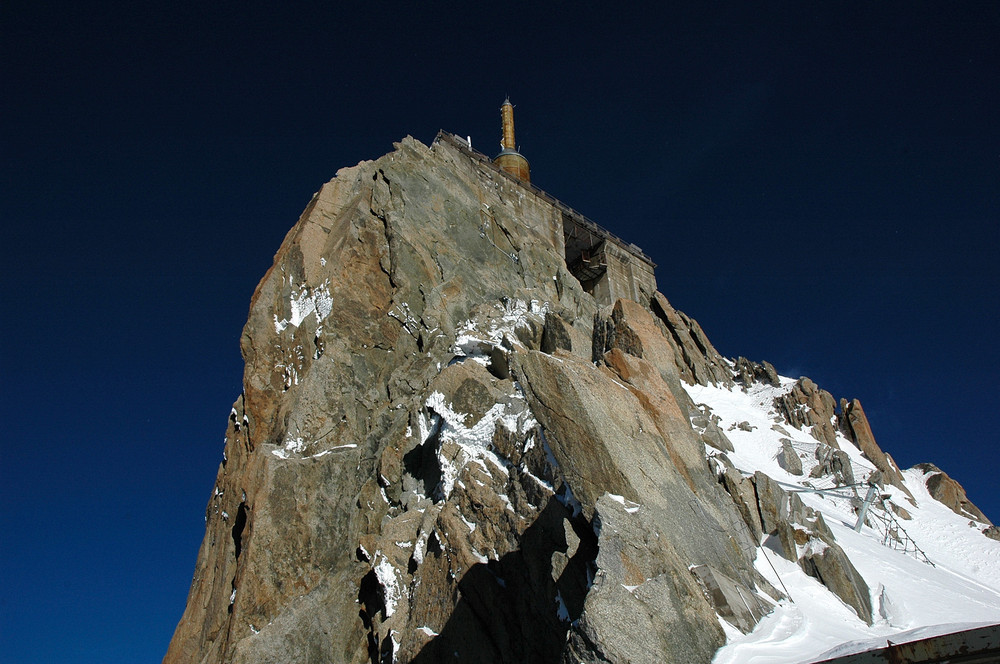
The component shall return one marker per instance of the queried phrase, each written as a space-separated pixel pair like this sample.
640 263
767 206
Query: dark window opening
585 257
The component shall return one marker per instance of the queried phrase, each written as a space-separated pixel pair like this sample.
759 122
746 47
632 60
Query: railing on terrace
578 217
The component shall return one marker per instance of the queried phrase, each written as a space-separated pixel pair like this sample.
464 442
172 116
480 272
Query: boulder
830 565
788 458
706 424
833 462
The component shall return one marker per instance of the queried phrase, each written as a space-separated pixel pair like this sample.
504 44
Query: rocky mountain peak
467 431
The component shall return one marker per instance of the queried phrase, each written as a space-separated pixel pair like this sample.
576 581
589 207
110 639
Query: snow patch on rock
304 302
473 442
387 577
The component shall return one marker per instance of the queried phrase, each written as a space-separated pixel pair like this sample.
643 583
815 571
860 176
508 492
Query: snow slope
960 589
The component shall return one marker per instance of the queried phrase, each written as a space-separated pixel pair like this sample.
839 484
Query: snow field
961 589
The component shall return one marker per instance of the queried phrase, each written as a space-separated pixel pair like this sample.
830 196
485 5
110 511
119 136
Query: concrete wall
628 276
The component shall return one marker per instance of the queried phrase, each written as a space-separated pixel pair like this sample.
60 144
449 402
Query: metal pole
869 498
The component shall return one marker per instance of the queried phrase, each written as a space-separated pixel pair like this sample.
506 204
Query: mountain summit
473 430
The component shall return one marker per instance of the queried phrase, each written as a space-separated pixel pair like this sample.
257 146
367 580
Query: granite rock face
444 445
950 493
447 446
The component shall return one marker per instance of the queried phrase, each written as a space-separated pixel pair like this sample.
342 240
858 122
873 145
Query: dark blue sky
818 183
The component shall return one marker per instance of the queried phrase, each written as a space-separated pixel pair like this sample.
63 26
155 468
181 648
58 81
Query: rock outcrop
697 361
448 447
750 372
788 458
950 493
806 405
801 535
854 423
